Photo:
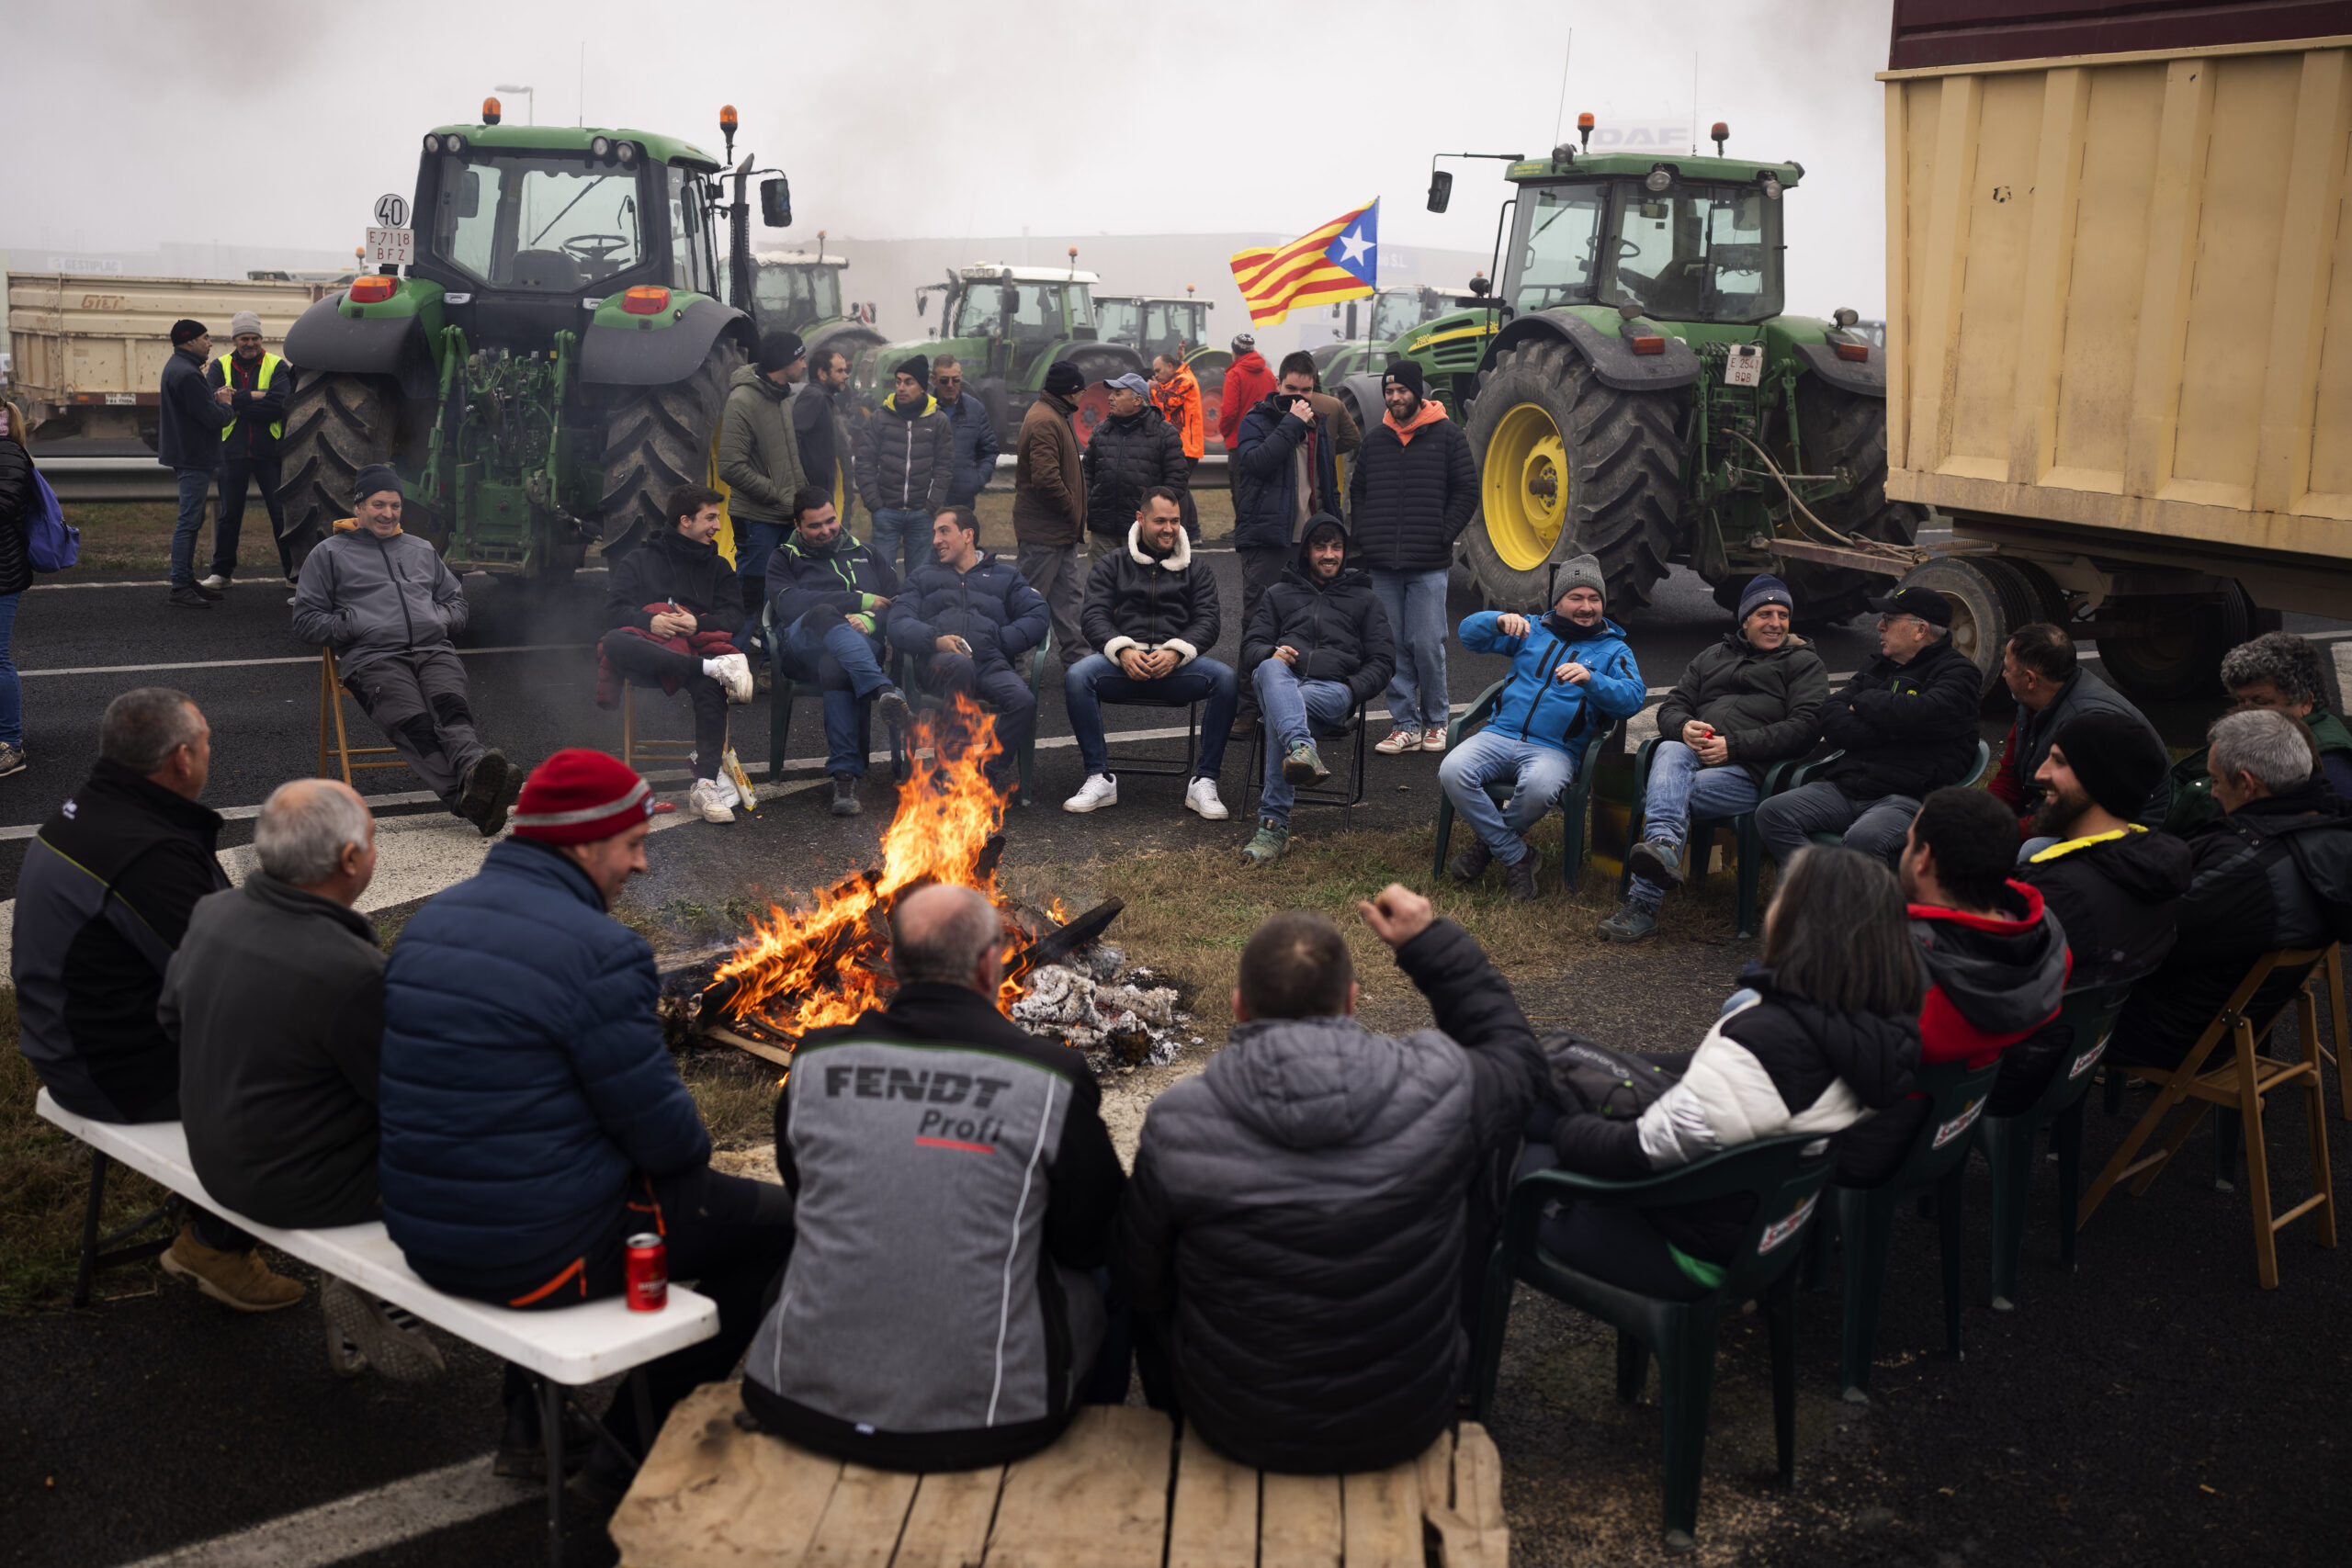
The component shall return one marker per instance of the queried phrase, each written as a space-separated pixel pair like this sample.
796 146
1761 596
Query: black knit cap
185 330
916 365
2116 758
779 349
1405 373
371 478
1064 379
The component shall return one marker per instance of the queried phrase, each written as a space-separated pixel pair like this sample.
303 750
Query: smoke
276 122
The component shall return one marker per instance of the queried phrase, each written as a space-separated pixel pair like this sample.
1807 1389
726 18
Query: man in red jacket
1996 964
1247 383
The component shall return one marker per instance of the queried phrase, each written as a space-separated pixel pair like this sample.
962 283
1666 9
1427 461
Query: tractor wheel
1843 430
2180 654
659 438
1569 467
1990 599
336 425
1098 366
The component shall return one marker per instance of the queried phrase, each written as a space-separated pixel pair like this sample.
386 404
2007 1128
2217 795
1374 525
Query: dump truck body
2119 303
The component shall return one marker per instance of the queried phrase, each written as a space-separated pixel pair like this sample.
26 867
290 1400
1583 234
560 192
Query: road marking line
364 1522
301 658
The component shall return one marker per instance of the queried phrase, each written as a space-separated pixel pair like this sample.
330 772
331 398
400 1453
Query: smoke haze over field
274 122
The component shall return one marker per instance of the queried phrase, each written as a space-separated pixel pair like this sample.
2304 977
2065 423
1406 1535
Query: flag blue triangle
1356 249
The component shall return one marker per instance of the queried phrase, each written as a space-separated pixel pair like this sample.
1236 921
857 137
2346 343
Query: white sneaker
1099 789
733 671
1200 795
728 795
217 583
706 800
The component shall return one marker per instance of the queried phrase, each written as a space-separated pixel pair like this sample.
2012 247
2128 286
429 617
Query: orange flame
817 967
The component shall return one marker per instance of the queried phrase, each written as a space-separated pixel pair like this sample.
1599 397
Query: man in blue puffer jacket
532 1120
1571 675
966 617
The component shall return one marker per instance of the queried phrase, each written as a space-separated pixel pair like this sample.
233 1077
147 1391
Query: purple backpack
51 544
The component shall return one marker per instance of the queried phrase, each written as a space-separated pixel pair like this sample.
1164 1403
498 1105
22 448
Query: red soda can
649 1272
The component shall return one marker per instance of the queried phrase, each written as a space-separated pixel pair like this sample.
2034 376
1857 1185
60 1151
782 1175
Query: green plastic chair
2089 1012
1863 1218
1805 773
1748 842
1785 1176
783 691
1576 836
1027 760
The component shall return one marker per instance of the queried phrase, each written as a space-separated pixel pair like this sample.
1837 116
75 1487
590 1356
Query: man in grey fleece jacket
388 605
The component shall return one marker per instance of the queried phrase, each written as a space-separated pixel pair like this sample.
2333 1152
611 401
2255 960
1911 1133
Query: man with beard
759 458
1318 646
2052 688
818 424
828 599
1569 673
1049 507
1412 492
258 383
1284 461
1995 962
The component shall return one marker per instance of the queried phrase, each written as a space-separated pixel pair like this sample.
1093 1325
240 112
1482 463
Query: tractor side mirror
922 303
470 194
1008 303
1440 188
775 202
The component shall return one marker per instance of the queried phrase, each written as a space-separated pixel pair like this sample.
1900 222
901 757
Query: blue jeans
754 542
1096 679
12 689
1415 602
1540 776
195 483
1292 706
1682 788
842 663
902 531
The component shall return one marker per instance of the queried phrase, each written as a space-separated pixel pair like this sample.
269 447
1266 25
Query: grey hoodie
369 598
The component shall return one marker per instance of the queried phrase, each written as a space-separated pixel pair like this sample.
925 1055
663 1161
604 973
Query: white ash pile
1093 1003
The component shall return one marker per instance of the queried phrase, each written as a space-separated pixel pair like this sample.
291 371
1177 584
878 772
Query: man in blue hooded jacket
1570 672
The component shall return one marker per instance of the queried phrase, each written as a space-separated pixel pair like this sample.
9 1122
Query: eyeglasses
1898 617
950 380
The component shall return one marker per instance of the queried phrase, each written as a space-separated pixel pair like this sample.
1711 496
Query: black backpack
1589 1076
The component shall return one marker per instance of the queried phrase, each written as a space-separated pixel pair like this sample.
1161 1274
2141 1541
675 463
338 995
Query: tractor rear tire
1569 467
1845 430
659 438
1990 599
1098 364
2185 659
336 424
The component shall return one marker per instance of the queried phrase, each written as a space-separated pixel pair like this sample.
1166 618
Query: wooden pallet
712 1494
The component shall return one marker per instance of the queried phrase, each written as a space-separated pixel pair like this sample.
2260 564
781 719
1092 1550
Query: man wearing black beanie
759 457
187 441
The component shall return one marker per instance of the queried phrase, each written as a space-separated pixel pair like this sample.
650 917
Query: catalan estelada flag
1337 261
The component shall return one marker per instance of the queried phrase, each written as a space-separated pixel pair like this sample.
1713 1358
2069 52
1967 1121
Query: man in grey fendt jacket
387 604
1306 1236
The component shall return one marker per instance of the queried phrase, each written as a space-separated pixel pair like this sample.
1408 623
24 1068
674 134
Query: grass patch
44 1182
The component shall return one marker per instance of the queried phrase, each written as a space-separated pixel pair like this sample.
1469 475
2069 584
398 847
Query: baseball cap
1924 602
1132 383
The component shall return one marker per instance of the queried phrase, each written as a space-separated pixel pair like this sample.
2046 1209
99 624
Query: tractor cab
1680 239
796 289
1023 314
1153 326
524 222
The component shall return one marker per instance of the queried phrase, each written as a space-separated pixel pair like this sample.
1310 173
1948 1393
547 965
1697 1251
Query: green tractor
1632 390
799 291
1155 324
553 363
1006 325
1388 316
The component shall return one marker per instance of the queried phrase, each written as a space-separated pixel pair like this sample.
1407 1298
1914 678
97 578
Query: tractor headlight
453 143
433 144
1659 179
601 146
1772 189
628 154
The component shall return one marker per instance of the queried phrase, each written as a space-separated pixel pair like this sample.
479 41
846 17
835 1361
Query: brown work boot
238 1280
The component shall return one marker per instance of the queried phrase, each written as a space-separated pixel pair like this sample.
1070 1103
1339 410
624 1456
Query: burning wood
823 965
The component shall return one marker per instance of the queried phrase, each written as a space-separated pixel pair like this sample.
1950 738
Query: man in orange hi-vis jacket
1176 393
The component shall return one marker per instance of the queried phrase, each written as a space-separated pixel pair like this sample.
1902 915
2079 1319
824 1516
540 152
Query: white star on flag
1354 246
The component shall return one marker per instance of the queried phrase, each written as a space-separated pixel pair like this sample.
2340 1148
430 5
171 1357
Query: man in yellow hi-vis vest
259 383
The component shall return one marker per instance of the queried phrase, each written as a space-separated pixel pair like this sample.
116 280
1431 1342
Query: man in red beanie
532 1120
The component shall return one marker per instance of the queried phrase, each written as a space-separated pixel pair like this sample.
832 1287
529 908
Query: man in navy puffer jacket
966 616
1571 677
532 1120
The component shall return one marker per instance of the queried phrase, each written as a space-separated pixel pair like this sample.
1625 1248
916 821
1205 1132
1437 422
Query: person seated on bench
1152 609
1317 646
2052 688
2274 871
1826 1032
1749 701
2280 671
276 999
1571 676
104 895
1905 723
674 607
955 1189
1306 1236
533 1121
828 595
1996 963
388 604
965 616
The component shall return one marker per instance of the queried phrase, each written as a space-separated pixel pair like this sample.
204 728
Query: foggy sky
276 123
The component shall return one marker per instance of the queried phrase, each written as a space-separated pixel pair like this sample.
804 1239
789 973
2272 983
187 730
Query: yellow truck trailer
86 350
2118 265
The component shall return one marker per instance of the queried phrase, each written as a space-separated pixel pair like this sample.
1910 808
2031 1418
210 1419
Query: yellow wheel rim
1525 487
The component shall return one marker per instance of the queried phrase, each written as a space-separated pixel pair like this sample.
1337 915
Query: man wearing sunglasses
975 446
1905 726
